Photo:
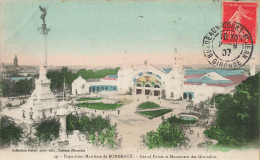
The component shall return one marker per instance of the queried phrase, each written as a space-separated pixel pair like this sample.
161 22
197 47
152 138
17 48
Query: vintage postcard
129 79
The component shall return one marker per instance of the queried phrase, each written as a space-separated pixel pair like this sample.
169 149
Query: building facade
172 83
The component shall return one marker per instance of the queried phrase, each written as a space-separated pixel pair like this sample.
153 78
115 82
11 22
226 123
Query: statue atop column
43 29
44 13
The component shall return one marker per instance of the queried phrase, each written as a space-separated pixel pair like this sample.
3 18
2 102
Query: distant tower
252 66
15 61
176 78
177 61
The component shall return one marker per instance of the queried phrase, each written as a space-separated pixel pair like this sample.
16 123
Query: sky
100 32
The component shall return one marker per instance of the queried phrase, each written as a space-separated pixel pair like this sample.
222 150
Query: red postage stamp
239 14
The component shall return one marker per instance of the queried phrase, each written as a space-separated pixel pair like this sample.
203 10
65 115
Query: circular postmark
228 46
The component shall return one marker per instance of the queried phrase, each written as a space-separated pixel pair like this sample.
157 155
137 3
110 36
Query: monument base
62 143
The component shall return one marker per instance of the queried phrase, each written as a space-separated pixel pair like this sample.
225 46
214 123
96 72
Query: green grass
100 106
155 113
148 105
181 121
89 98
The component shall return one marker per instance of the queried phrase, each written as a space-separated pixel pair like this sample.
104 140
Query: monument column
63 129
44 31
42 99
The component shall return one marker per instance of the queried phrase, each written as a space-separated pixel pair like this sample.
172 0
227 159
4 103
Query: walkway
132 126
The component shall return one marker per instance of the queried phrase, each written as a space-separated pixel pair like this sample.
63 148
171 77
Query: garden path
132 126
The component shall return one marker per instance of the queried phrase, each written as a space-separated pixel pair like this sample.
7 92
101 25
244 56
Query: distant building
15 61
17 79
12 71
200 84
8 70
82 86
79 86
28 71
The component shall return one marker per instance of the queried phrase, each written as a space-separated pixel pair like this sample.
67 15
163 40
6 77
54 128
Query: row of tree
98 130
57 77
22 87
47 130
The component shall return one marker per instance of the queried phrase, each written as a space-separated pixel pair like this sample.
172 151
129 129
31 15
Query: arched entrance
190 96
147 83
139 89
184 95
147 89
157 90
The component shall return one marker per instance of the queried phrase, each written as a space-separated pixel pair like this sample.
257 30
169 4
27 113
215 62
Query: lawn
89 98
100 106
155 113
148 105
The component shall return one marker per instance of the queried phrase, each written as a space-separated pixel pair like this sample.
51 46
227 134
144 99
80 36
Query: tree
99 130
86 74
10 133
204 112
5 88
167 135
57 78
47 130
238 115
22 87
72 122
